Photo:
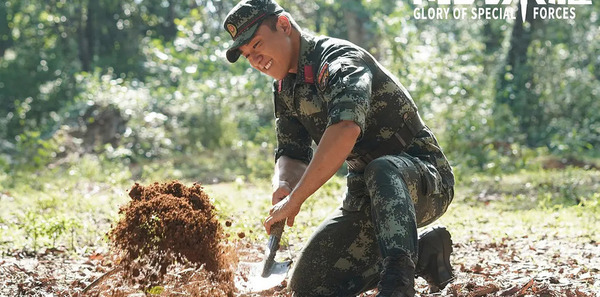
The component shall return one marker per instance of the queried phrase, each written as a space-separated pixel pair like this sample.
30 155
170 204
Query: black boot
397 277
435 246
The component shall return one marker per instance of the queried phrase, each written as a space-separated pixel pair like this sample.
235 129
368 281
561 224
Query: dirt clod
170 223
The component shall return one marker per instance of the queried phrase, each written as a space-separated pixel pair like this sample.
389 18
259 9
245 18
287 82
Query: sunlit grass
247 205
74 206
561 203
70 206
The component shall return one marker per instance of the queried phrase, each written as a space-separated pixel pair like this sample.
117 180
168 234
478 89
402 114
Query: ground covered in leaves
553 266
513 236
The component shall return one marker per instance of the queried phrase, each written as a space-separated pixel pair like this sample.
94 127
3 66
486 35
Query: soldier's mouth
268 65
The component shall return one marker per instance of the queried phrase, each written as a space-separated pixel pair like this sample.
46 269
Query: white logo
494 10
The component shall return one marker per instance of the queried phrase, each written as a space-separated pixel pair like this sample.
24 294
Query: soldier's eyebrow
253 40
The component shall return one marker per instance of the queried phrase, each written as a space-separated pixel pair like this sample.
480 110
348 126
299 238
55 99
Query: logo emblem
232 30
323 78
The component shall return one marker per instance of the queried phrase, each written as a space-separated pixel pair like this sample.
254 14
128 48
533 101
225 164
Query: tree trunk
170 28
90 30
515 80
355 30
6 40
492 38
83 44
357 24
318 19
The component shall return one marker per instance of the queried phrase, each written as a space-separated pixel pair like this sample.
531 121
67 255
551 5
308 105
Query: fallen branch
101 278
489 289
525 288
511 291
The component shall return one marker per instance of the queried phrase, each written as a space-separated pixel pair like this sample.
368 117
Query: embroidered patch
232 30
324 77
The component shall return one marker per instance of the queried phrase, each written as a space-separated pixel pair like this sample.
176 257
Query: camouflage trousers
379 217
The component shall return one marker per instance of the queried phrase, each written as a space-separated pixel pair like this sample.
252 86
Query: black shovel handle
277 228
272 247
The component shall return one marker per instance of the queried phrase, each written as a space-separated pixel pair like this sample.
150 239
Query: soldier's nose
256 61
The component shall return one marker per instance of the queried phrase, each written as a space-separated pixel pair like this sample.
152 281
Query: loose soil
171 224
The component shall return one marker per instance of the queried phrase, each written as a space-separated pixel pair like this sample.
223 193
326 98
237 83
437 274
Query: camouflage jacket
337 80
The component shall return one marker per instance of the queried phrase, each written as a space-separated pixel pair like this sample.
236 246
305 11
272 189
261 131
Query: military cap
243 21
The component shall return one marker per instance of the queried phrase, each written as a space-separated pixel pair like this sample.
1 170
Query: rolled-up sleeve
348 91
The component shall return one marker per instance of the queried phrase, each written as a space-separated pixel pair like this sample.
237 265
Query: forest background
97 95
145 84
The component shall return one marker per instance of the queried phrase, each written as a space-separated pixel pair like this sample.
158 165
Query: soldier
335 93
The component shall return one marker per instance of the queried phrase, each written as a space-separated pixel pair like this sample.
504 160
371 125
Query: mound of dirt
170 223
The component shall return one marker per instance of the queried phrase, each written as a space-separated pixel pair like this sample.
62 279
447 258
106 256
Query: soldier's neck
295 38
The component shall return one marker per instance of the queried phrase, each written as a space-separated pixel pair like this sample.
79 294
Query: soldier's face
270 51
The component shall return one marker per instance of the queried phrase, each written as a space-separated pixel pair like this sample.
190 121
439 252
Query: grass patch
247 205
67 206
74 206
538 204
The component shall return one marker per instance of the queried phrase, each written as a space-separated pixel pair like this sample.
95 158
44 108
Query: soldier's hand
280 191
284 209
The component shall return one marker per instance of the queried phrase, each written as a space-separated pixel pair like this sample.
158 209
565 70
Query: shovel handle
276 232
272 247
277 228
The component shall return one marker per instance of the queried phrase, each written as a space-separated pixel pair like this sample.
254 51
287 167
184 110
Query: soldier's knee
303 280
382 169
380 165
296 282
303 287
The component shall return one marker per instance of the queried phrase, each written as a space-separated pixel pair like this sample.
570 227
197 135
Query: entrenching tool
269 273
270 266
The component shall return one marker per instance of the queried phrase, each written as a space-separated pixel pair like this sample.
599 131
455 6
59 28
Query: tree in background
548 77
490 88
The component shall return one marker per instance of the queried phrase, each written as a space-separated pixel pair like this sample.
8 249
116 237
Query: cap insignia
232 30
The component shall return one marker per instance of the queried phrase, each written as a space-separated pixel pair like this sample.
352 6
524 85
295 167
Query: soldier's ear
283 22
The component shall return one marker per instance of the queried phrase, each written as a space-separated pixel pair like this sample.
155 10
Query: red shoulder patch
308 74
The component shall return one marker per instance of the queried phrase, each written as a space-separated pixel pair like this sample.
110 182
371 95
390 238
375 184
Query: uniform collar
306 70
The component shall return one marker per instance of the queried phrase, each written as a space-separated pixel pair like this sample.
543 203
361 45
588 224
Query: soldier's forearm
335 145
288 170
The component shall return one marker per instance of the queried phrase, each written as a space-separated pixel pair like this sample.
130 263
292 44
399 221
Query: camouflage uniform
387 199
399 179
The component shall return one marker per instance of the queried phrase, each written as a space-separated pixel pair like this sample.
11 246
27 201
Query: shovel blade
256 283
279 268
269 273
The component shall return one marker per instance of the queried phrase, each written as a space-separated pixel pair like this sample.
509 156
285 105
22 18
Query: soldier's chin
277 75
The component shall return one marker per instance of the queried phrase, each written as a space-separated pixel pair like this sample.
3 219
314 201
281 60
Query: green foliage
69 206
35 152
45 229
544 189
188 113
156 290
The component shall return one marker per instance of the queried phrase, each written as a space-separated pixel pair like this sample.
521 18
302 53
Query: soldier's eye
256 44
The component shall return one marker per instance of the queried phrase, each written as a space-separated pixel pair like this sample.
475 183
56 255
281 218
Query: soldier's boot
435 246
397 278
